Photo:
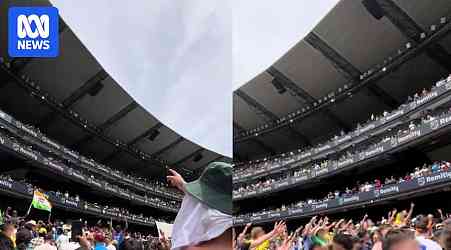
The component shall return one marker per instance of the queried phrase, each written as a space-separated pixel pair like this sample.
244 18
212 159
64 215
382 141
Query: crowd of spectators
398 231
316 166
171 203
285 158
104 208
156 184
23 233
359 187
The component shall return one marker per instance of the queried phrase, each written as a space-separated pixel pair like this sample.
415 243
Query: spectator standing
422 229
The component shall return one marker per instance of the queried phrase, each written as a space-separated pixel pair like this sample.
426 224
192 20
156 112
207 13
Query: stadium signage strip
68 172
370 196
79 160
383 147
353 137
17 187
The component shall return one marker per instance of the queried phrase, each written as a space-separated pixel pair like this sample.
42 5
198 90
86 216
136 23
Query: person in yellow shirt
261 240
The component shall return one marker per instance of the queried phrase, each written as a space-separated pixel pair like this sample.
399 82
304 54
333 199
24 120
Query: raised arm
176 180
243 233
391 216
409 214
126 224
440 212
278 227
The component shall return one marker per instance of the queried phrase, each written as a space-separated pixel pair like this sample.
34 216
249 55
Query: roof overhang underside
346 42
78 82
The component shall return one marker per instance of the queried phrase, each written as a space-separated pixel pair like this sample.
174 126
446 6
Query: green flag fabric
41 202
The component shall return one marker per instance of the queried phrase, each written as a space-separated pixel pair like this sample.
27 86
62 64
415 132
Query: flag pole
31 204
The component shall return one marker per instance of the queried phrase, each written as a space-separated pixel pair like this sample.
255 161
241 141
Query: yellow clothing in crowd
264 246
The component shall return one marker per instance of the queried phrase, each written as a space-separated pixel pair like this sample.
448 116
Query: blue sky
181 60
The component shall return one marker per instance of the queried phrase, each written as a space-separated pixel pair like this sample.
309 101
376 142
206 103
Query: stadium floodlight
278 86
198 157
422 35
373 7
153 135
96 89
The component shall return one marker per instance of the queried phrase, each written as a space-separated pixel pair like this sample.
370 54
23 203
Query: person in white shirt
64 237
422 233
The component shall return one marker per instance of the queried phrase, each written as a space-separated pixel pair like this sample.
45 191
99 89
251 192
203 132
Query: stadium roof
77 81
347 42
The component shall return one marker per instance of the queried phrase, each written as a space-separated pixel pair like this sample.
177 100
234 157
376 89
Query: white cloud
264 30
173 57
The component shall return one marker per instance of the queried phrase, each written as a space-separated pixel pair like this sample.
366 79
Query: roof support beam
193 154
259 108
409 28
168 147
108 123
303 96
268 114
145 134
346 69
76 95
118 116
133 142
261 144
85 88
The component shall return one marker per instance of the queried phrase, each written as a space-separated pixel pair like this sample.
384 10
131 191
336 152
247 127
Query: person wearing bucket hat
204 220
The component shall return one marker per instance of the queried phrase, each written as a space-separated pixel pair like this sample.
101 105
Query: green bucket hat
214 187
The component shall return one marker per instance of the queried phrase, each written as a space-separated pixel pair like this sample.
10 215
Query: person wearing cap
204 220
25 235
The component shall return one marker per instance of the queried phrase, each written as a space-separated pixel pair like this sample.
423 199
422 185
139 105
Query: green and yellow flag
40 201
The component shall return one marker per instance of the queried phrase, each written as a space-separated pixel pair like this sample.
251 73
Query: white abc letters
24 26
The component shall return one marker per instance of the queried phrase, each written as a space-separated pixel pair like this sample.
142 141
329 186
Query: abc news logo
33 32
